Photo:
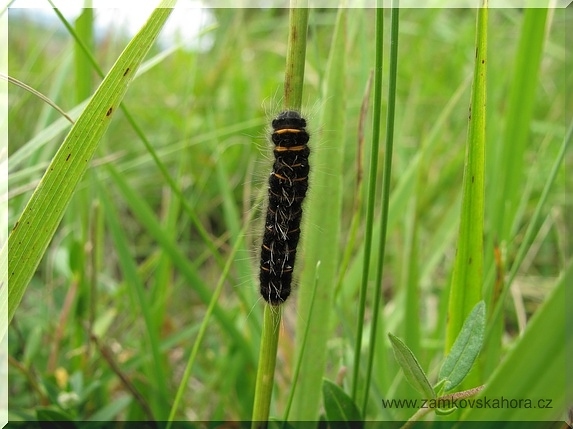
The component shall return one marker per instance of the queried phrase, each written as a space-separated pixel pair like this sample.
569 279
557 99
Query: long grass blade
37 224
377 114
37 94
170 181
467 277
83 73
387 174
321 242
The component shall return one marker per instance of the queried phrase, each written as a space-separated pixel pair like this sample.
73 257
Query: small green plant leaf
412 369
339 407
465 349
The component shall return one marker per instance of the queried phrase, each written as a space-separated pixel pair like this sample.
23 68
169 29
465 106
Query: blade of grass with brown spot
41 217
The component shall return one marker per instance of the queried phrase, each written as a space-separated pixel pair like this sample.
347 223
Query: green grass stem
304 342
296 54
266 368
371 196
293 85
386 178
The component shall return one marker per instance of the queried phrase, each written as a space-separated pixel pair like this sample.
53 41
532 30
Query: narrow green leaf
467 279
411 367
371 195
510 161
386 179
43 213
339 407
83 71
406 186
466 348
324 208
38 94
197 346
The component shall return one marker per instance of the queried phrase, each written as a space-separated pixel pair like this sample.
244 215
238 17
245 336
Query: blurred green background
206 110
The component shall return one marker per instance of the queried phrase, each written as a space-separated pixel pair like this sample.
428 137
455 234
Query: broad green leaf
38 223
411 367
339 406
465 350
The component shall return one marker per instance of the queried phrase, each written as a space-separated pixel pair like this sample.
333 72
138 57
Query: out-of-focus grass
207 115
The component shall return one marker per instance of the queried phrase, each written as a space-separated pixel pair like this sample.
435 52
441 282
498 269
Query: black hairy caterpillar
288 183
